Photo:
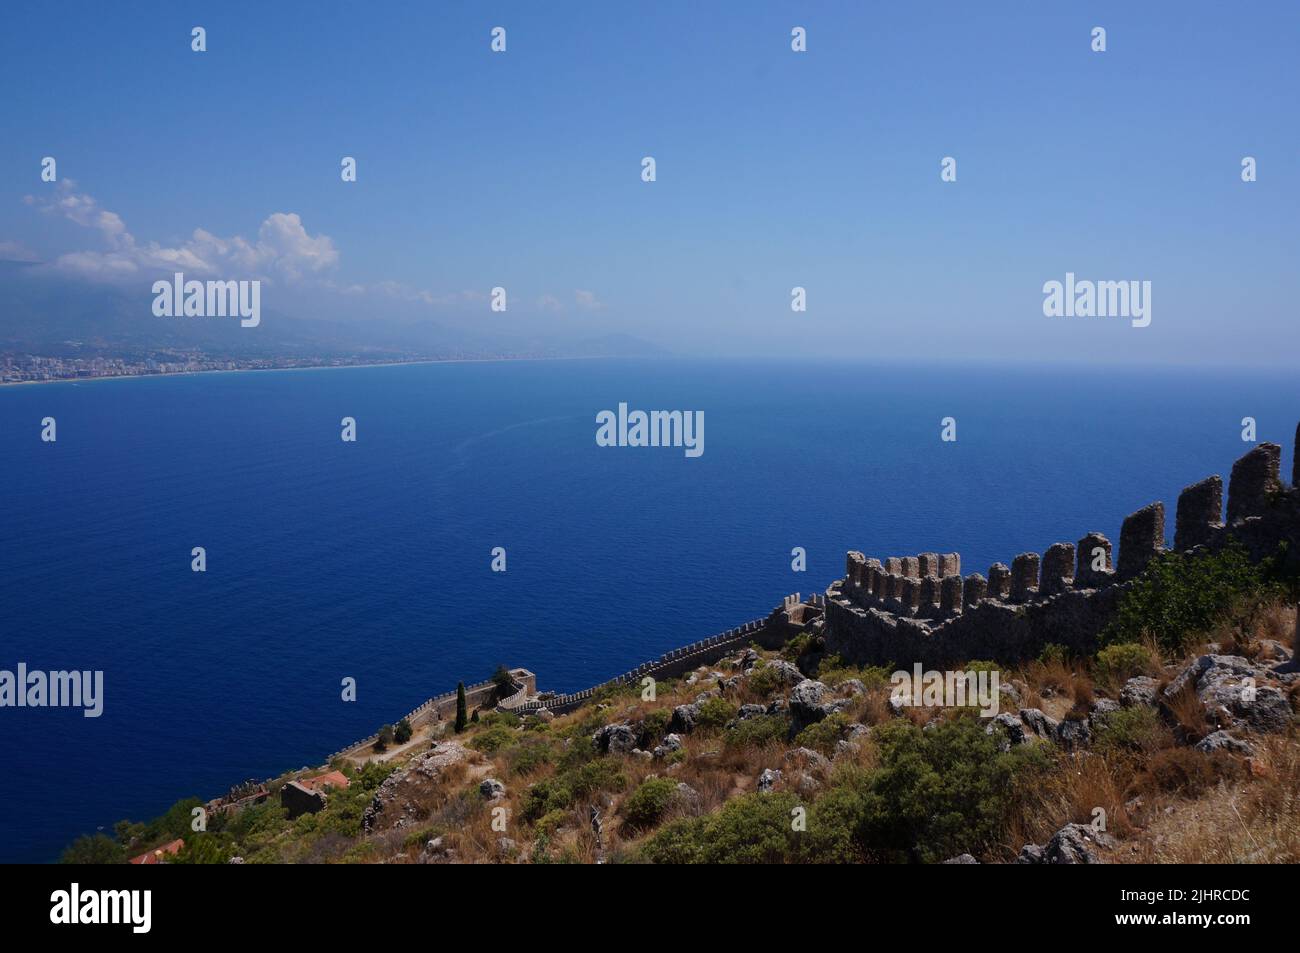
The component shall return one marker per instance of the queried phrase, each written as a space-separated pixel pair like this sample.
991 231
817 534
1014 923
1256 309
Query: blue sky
775 169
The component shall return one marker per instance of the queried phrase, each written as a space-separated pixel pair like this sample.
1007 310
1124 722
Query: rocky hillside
1141 752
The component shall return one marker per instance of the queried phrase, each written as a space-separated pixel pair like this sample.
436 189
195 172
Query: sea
373 559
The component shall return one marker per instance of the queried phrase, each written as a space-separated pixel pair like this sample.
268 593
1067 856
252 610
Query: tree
402 733
385 737
94 849
462 714
504 682
202 849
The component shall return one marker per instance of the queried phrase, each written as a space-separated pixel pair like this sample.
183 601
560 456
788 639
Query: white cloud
17 251
283 247
587 300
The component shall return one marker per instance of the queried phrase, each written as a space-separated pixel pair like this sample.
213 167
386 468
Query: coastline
308 367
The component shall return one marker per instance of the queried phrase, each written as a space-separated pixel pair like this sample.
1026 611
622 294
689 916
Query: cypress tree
462 716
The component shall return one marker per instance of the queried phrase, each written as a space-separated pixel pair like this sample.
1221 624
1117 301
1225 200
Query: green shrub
796 647
417 839
550 822
833 824
370 775
1181 596
822 735
761 730
653 727
1136 729
562 791
402 732
1118 663
1054 653
834 672
645 806
715 713
94 849
203 849
493 739
529 755
750 829
764 679
940 792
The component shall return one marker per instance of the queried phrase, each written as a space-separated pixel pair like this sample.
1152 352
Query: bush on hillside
646 806
1181 596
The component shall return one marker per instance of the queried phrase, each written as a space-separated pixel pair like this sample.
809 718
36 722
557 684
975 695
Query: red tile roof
155 856
330 779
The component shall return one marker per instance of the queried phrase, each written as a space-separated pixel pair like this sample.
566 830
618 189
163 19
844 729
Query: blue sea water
372 560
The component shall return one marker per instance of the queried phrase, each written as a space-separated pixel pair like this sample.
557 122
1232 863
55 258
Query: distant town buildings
17 368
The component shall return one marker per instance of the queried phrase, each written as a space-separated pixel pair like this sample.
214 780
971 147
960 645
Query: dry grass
1165 802
1081 783
1188 716
1249 819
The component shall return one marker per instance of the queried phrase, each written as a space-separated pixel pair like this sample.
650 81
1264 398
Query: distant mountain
46 316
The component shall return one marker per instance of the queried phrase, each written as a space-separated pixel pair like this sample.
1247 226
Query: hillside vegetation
1173 743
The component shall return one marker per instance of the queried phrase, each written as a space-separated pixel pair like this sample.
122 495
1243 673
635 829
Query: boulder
747 712
1038 723
1012 726
807 704
492 789
670 744
684 719
618 738
1139 690
384 810
1073 733
1030 854
1103 706
809 759
789 674
1072 844
854 735
768 780
1271 650
961 859
1235 687
1222 741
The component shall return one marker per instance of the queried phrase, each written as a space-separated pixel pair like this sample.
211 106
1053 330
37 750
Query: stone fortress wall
443 706
903 610
770 632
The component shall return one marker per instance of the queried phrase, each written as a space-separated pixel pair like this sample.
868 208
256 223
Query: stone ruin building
922 609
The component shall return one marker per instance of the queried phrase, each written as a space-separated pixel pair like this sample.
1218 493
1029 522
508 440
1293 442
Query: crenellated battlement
920 608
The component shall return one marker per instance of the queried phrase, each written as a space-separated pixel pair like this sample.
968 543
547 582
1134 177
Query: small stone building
308 795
